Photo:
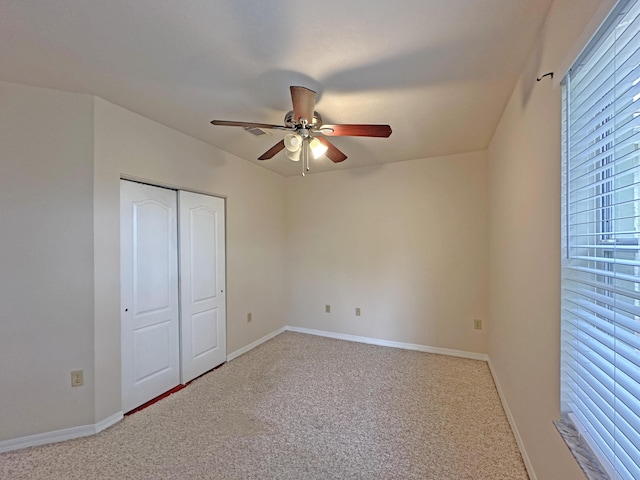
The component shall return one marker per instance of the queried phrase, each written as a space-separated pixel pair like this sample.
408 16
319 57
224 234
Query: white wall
61 157
131 145
406 242
419 275
46 259
524 159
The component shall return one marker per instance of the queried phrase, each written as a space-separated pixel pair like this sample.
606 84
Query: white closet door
202 283
149 282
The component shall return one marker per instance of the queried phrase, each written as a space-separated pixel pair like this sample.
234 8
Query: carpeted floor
303 407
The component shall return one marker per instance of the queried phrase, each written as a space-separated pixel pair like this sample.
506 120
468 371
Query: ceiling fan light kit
294 143
308 131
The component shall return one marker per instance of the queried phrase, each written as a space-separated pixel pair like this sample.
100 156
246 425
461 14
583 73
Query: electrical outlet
327 309
357 311
477 324
249 317
77 378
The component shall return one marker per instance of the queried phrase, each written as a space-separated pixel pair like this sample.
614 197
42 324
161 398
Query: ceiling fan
307 137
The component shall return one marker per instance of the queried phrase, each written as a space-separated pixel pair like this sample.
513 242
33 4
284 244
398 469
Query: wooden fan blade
272 151
231 123
304 101
356 130
335 155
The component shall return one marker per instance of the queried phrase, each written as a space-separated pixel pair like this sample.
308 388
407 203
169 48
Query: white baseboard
253 345
389 343
85 430
512 423
107 422
441 351
59 435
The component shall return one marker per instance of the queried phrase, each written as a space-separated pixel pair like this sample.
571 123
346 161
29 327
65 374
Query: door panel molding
173 288
150 332
202 288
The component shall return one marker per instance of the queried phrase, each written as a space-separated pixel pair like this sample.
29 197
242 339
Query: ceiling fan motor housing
289 122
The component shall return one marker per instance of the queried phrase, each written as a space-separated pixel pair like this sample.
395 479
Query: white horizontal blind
601 243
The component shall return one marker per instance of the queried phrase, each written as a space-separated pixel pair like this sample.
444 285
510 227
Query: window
601 248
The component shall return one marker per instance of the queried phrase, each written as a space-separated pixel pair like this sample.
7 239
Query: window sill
587 460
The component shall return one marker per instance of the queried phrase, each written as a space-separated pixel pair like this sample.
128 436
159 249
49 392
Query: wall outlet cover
77 378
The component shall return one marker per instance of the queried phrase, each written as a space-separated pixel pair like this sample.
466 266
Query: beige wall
524 160
406 242
46 259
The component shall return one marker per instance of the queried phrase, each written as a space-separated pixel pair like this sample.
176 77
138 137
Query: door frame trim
170 186
177 188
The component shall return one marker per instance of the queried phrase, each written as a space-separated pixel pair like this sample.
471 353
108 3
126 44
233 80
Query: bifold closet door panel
149 292
202 283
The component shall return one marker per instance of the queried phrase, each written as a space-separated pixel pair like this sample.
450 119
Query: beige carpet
303 407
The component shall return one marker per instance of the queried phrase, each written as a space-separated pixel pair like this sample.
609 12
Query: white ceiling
438 71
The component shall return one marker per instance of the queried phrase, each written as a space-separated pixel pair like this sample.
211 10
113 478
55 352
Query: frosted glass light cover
292 142
295 156
317 148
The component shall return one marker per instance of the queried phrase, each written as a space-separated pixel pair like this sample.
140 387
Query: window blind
601 243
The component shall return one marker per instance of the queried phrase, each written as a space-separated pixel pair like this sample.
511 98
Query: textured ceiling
438 71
